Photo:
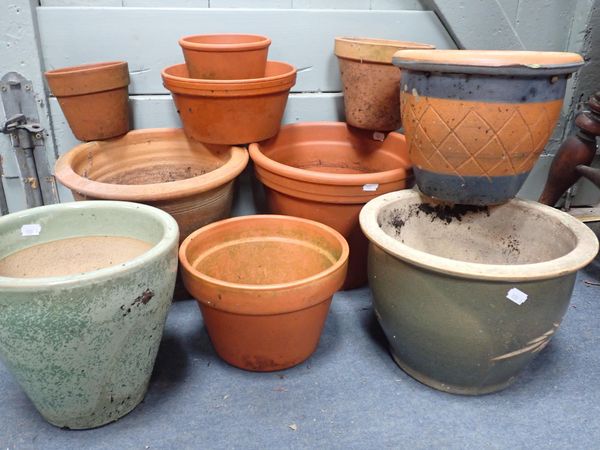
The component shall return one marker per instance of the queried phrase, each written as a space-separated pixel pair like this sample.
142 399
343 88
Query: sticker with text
516 296
31 229
379 136
370 187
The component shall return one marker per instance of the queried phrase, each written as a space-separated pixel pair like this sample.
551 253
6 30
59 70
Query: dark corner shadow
171 365
374 330
201 345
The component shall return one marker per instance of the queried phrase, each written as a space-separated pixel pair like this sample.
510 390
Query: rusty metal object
575 154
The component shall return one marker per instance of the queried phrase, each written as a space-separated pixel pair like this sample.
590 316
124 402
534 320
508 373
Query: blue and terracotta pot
476 121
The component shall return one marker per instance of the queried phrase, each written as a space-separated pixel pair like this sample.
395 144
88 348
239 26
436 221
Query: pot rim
373 49
147 192
263 287
286 76
93 77
489 62
260 43
169 239
585 250
295 173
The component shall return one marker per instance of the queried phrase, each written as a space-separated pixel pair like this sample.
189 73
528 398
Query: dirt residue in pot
448 213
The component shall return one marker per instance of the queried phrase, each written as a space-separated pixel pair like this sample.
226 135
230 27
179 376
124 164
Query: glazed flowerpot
160 167
371 82
468 295
225 56
82 339
231 111
94 98
327 171
476 121
264 285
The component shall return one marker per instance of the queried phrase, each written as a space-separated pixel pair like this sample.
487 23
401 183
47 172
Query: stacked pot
468 283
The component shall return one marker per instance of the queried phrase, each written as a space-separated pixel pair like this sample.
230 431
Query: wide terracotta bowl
476 121
264 285
327 171
231 111
468 295
81 322
370 80
225 56
161 167
94 98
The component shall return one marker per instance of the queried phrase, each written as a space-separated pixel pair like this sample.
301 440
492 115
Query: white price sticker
370 187
516 296
379 136
31 229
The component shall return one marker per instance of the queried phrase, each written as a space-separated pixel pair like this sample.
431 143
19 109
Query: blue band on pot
505 89
469 190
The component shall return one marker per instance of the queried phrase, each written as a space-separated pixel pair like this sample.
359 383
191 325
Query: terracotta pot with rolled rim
225 56
160 167
327 171
370 80
264 284
94 98
476 121
467 295
231 111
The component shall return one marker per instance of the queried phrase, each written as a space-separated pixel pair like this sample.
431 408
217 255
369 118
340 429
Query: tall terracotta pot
370 81
231 111
94 98
82 345
326 171
264 285
476 121
469 295
225 56
160 167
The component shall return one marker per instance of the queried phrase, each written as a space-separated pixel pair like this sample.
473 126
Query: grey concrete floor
349 394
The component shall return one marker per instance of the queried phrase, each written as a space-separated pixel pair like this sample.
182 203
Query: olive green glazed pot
83 346
467 296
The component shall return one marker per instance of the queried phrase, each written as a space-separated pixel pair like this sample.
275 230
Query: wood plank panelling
147 37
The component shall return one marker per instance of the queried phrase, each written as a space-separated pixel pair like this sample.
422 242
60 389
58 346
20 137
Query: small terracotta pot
476 121
326 171
469 295
371 82
94 98
264 285
231 112
225 56
160 167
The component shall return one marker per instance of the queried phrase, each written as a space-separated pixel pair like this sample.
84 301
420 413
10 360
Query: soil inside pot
264 260
71 256
157 174
504 234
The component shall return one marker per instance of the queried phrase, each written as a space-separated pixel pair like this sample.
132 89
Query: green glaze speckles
83 346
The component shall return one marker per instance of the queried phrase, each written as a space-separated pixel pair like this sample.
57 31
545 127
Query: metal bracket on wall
27 137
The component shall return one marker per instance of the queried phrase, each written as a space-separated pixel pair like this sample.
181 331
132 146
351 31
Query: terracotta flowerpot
468 295
371 82
476 121
225 56
231 112
160 167
94 98
327 171
82 345
264 285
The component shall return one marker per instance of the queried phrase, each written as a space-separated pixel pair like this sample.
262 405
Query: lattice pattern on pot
475 138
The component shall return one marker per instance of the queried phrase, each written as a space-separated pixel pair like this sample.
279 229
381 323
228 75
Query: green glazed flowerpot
466 295
83 346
